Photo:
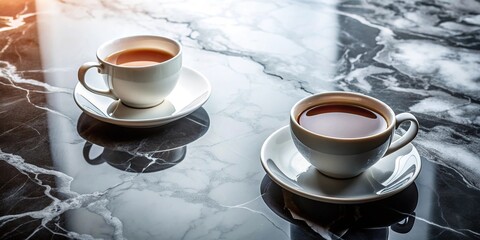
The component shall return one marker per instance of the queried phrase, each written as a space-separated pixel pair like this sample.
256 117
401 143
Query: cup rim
389 129
113 41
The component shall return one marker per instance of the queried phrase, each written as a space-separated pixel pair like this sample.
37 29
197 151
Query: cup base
339 177
141 106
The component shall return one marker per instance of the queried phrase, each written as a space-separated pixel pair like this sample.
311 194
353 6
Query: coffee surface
342 121
139 57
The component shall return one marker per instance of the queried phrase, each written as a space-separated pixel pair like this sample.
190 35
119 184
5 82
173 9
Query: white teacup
340 157
139 86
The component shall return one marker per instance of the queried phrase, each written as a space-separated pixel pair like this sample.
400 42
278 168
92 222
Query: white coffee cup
348 157
136 86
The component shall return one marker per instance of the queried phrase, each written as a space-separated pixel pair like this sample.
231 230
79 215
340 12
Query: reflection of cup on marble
141 71
369 220
135 161
340 156
140 150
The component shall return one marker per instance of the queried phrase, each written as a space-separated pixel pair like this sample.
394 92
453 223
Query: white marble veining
15 80
14 22
58 206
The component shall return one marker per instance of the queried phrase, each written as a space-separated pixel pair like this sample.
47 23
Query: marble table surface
64 174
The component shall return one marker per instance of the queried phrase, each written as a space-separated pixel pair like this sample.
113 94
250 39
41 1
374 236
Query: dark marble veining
64 174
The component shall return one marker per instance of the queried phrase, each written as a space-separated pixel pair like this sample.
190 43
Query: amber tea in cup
342 121
139 57
140 71
342 134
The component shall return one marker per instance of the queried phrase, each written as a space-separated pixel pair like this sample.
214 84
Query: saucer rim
329 199
153 122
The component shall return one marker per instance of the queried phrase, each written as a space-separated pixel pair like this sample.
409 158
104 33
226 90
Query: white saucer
191 92
287 167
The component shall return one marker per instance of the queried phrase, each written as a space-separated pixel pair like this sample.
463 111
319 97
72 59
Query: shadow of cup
141 149
346 221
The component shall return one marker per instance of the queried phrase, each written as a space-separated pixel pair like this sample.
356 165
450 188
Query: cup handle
408 136
81 78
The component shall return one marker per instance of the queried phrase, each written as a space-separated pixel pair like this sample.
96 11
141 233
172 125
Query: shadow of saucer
346 221
141 150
